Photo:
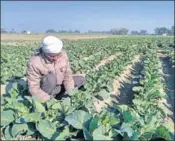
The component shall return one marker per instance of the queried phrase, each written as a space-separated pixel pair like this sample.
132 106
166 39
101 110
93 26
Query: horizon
39 16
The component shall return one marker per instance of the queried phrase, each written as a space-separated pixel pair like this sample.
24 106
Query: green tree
161 30
3 30
135 33
172 30
121 31
76 31
51 31
143 32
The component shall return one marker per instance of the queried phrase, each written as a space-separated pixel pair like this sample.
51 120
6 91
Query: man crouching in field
49 73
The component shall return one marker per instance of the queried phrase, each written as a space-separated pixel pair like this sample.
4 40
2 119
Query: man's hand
45 98
56 91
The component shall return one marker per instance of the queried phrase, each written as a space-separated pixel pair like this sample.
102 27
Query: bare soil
36 37
168 75
107 60
124 76
87 58
121 85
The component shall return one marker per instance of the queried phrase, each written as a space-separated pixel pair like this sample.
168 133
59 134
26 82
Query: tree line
114 31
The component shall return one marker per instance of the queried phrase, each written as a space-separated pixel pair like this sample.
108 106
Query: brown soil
168 104
123 77
36 37
3 89
103 62
117 84
87 58
107 60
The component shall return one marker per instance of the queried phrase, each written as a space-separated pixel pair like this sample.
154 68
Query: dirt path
88 57
107 60
124 77
168 75
36 37
103 62
118 84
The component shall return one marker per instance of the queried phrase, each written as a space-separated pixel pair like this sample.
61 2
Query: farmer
49 73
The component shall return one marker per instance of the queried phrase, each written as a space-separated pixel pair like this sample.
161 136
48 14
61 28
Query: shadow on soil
168 71
126 93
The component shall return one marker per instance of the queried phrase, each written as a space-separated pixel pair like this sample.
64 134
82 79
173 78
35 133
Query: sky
38 16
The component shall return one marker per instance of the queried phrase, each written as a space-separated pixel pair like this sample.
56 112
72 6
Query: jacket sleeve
33 79
68 80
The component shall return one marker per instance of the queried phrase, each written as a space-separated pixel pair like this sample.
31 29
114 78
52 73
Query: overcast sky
38 16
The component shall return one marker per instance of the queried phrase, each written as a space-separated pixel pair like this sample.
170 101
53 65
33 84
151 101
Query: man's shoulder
64 53
34 60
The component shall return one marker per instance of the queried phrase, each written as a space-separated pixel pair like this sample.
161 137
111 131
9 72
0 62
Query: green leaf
137 89
18 129
89 126
126 128
29 98
2 100
56 106
127 116
8 134
20 107
77 118
146 136
13 93
64 134
93 123
101 137
103 94
114 120
66 101
47 129
7 117
99 134
39 107
135 136
87 134
31 117
162 132
31 128
51 102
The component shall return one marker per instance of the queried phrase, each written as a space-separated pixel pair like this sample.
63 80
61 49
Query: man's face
52 56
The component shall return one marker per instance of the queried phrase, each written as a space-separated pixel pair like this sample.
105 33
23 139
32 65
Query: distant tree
62 31
143 32
161 30
24 31
172 30
76 31
114 31
90 31
51 31
12 31
70 31
123 31
3 30
135 33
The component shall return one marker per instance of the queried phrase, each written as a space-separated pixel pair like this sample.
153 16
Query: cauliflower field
128 94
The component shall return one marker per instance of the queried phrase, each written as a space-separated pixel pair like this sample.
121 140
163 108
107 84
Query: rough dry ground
117 84
123 77
107 60
102 63
87 58
2 89
36 37
168 75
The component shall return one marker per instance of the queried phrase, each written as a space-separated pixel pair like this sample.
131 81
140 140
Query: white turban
51 44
